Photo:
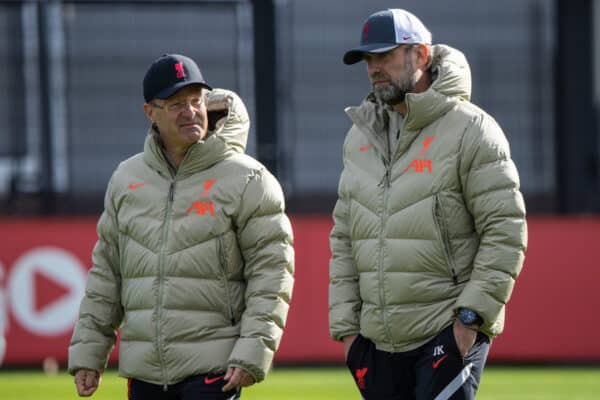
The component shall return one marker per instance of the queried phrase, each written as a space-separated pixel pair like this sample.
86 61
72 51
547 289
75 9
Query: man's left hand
237 378
465 336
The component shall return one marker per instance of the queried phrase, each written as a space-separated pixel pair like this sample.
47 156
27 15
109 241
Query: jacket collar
452 84
200 156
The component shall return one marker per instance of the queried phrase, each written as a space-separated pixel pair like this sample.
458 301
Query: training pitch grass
498 383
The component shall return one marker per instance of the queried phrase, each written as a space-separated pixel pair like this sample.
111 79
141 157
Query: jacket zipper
223 262
386 186
440 223
161 278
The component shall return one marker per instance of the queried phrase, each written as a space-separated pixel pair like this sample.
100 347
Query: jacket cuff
253 356
344 320
338 337
79 361
487 307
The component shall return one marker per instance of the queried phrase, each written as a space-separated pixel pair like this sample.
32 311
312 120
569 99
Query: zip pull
387 177
165 388
171 191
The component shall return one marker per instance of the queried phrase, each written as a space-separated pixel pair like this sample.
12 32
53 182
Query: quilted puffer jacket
194 266
429 226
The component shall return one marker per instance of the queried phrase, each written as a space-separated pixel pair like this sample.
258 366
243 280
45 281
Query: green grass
514 383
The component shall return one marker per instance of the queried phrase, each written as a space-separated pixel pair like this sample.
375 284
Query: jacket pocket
439 218
224 267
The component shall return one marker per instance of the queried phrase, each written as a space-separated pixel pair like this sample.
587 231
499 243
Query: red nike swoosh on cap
208 380
437 362
406 37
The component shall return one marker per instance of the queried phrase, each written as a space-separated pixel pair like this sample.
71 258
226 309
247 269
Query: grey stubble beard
395 92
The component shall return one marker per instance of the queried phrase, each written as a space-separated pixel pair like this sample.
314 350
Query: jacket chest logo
204 204
420 165
426 144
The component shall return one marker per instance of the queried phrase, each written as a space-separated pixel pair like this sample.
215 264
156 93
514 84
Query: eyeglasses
179 106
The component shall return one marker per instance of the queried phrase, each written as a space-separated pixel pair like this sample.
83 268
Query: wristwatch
469 317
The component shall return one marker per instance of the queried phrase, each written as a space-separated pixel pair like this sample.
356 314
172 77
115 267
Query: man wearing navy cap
429 227
194 259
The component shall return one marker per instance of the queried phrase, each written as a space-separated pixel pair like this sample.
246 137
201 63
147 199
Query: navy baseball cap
386 30
168 74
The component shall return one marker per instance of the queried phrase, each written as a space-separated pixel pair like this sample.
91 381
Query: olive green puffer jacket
194 266
435 224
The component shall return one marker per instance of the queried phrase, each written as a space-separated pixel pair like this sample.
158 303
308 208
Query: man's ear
422 55
148 109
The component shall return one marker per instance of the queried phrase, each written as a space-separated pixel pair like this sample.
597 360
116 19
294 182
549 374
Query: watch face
467 317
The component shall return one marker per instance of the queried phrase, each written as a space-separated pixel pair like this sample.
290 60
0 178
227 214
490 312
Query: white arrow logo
63 268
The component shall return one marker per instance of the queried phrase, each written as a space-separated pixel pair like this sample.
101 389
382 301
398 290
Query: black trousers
198 387
434 371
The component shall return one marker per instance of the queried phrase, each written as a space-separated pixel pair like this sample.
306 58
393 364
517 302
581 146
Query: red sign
44 266
551 317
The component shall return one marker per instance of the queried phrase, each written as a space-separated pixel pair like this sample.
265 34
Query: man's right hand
348 340
87 381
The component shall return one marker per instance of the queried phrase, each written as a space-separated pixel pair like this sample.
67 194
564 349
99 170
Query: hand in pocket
464 337
348 340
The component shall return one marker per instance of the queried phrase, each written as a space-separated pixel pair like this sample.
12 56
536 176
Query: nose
373 66
188 108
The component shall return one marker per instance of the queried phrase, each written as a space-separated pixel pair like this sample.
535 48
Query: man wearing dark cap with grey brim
429 227
194 259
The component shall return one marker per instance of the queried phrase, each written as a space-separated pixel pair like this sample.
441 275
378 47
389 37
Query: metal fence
71 73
